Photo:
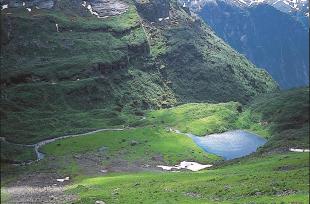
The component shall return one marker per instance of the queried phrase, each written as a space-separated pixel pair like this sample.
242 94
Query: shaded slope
267 37
285 115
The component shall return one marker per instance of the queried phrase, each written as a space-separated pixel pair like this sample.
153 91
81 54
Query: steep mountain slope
69 66
266 36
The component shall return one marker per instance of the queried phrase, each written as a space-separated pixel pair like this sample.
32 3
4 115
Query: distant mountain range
270 38
297 8
287 6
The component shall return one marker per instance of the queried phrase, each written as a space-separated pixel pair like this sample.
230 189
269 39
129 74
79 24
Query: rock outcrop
108 7
153 10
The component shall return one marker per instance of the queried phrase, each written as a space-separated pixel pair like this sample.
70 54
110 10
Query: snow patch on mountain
287 6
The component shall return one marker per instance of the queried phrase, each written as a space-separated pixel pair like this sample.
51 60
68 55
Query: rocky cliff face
108 7
269 38
72 64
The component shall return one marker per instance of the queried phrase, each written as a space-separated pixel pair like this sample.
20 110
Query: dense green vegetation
273 179
75 81
97 73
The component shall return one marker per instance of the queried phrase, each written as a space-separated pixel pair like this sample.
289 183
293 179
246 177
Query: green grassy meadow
280 178
272 175
173 147
199 118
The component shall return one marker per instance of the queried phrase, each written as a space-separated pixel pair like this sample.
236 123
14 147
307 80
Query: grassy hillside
198 118
94 73
262 178
137 145
77 79
274 179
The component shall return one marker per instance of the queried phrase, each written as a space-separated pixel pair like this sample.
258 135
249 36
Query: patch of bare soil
39 188
94 164
42 186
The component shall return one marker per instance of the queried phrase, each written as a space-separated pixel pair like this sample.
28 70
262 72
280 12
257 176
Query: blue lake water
231 144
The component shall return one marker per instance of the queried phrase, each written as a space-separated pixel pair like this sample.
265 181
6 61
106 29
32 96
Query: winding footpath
38 145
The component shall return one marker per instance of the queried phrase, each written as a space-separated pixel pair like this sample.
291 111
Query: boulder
99 202
133 143
103 149
158 158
